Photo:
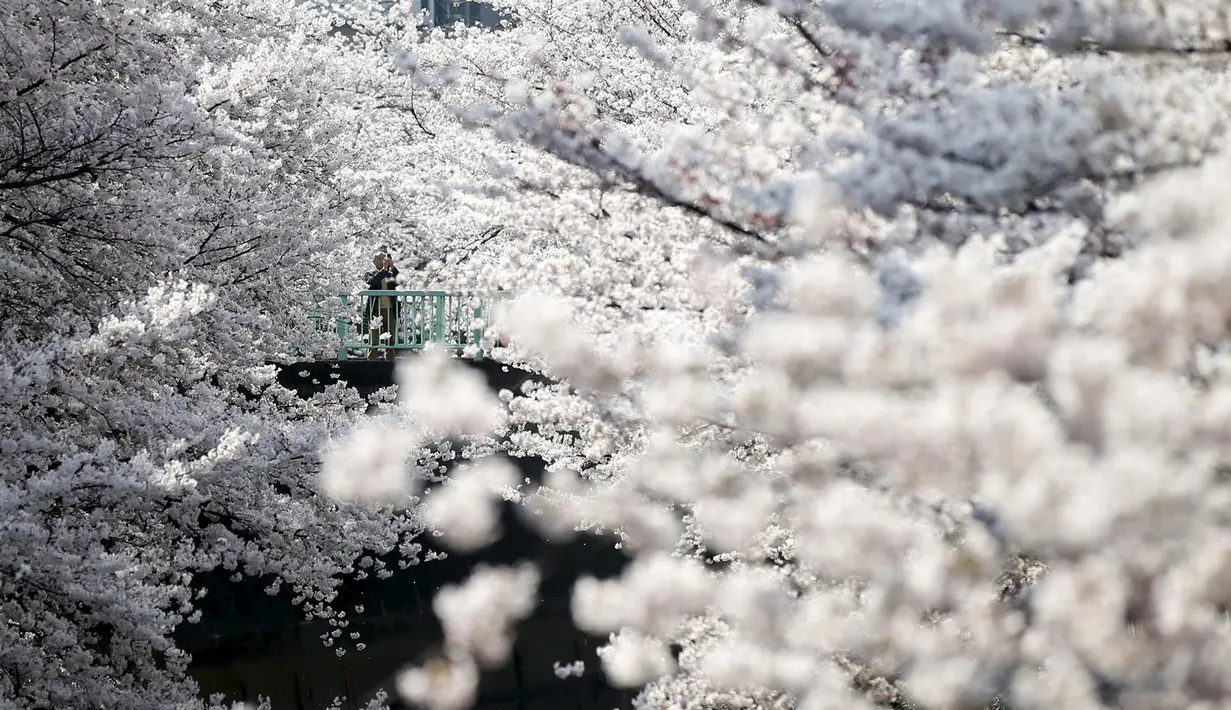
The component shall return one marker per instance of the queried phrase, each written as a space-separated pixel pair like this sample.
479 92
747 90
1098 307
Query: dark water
249 644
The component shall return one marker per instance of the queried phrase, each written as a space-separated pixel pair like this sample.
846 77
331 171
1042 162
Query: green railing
370 321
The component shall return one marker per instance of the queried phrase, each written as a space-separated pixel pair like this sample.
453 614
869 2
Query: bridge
373 323
249 643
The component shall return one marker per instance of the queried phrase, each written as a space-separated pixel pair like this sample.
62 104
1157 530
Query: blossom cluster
891 339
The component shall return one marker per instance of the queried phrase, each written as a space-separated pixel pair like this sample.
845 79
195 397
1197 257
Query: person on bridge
380 314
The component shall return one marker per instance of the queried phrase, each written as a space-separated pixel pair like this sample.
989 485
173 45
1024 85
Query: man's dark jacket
377 282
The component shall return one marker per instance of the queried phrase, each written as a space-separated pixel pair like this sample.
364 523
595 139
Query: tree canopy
175 180
888 339
893 338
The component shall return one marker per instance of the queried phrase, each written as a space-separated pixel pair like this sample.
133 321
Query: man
381 312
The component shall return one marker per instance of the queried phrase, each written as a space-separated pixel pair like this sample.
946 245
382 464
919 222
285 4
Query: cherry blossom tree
176 178
956 437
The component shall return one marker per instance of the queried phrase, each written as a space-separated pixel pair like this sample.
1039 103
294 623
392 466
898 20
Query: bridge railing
405 320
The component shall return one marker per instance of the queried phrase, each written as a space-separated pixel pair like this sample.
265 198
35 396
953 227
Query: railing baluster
412 320
477 332
440 319
421 321
398 303
452 319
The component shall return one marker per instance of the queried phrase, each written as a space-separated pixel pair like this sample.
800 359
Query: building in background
442 13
